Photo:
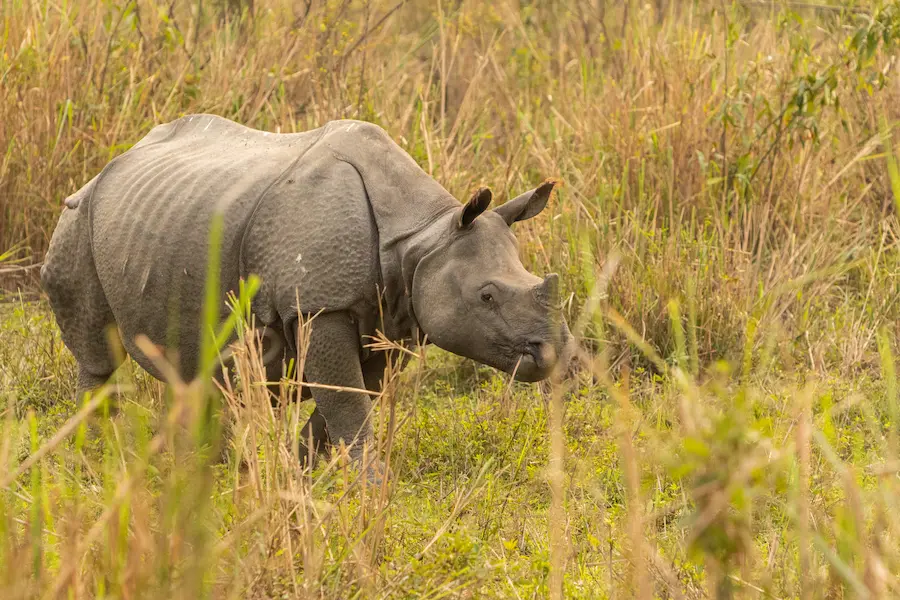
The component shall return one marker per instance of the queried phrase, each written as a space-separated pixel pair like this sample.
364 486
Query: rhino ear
527 205
476 205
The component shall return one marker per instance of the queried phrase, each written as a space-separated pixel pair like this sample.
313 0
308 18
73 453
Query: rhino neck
409 252
408 206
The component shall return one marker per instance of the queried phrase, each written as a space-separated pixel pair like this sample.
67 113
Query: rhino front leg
315 429
333 359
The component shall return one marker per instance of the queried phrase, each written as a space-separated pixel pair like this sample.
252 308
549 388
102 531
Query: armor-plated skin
330 217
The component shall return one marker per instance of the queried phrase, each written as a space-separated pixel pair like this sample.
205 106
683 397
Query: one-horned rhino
338 222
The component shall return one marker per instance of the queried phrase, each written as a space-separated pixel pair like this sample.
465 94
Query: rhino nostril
533 345
544 354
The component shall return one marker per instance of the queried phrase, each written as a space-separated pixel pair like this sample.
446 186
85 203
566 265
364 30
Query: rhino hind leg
79 304
93 340
89 380
373 370
314 438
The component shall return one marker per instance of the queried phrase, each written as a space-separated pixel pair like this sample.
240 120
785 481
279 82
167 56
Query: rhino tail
75 200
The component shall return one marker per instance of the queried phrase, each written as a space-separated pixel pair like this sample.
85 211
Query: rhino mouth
528 370
535 361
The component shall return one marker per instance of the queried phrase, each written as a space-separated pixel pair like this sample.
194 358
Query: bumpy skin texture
335 221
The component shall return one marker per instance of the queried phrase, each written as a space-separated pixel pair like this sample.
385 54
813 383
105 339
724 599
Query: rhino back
151 209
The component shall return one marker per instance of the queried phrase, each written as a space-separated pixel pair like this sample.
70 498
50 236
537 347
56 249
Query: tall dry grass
727 235
723 151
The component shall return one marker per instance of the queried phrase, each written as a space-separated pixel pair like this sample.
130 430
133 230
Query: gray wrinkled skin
328 217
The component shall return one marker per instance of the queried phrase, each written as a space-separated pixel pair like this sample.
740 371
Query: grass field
728 240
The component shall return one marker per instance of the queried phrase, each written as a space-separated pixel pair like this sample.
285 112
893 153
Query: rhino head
472 296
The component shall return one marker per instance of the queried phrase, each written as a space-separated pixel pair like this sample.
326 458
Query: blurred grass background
727 237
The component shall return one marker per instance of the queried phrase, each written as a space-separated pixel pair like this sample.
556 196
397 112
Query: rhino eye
486 297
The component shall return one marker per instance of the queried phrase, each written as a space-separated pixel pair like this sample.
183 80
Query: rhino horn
547 292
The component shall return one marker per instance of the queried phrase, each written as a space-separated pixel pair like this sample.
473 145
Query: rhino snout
539 356
543 353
